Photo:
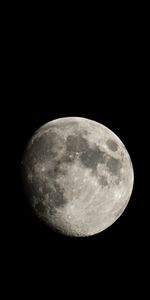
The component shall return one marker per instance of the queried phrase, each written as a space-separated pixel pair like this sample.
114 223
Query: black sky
103 83
114 111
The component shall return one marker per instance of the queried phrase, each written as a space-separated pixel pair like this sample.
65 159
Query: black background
32 240
100 76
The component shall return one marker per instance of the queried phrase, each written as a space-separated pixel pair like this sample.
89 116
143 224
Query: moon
77 175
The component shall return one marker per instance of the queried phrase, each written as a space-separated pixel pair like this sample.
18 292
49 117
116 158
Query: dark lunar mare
114 165
89 156
92 156
76 143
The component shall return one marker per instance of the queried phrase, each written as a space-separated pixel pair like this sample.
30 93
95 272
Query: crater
112 145
92 156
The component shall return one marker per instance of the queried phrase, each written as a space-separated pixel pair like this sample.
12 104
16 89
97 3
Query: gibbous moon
77 175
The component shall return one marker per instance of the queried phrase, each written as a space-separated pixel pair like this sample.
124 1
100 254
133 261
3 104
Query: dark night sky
108 87
113 109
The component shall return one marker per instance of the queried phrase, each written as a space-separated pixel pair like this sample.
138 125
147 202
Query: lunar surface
77 175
